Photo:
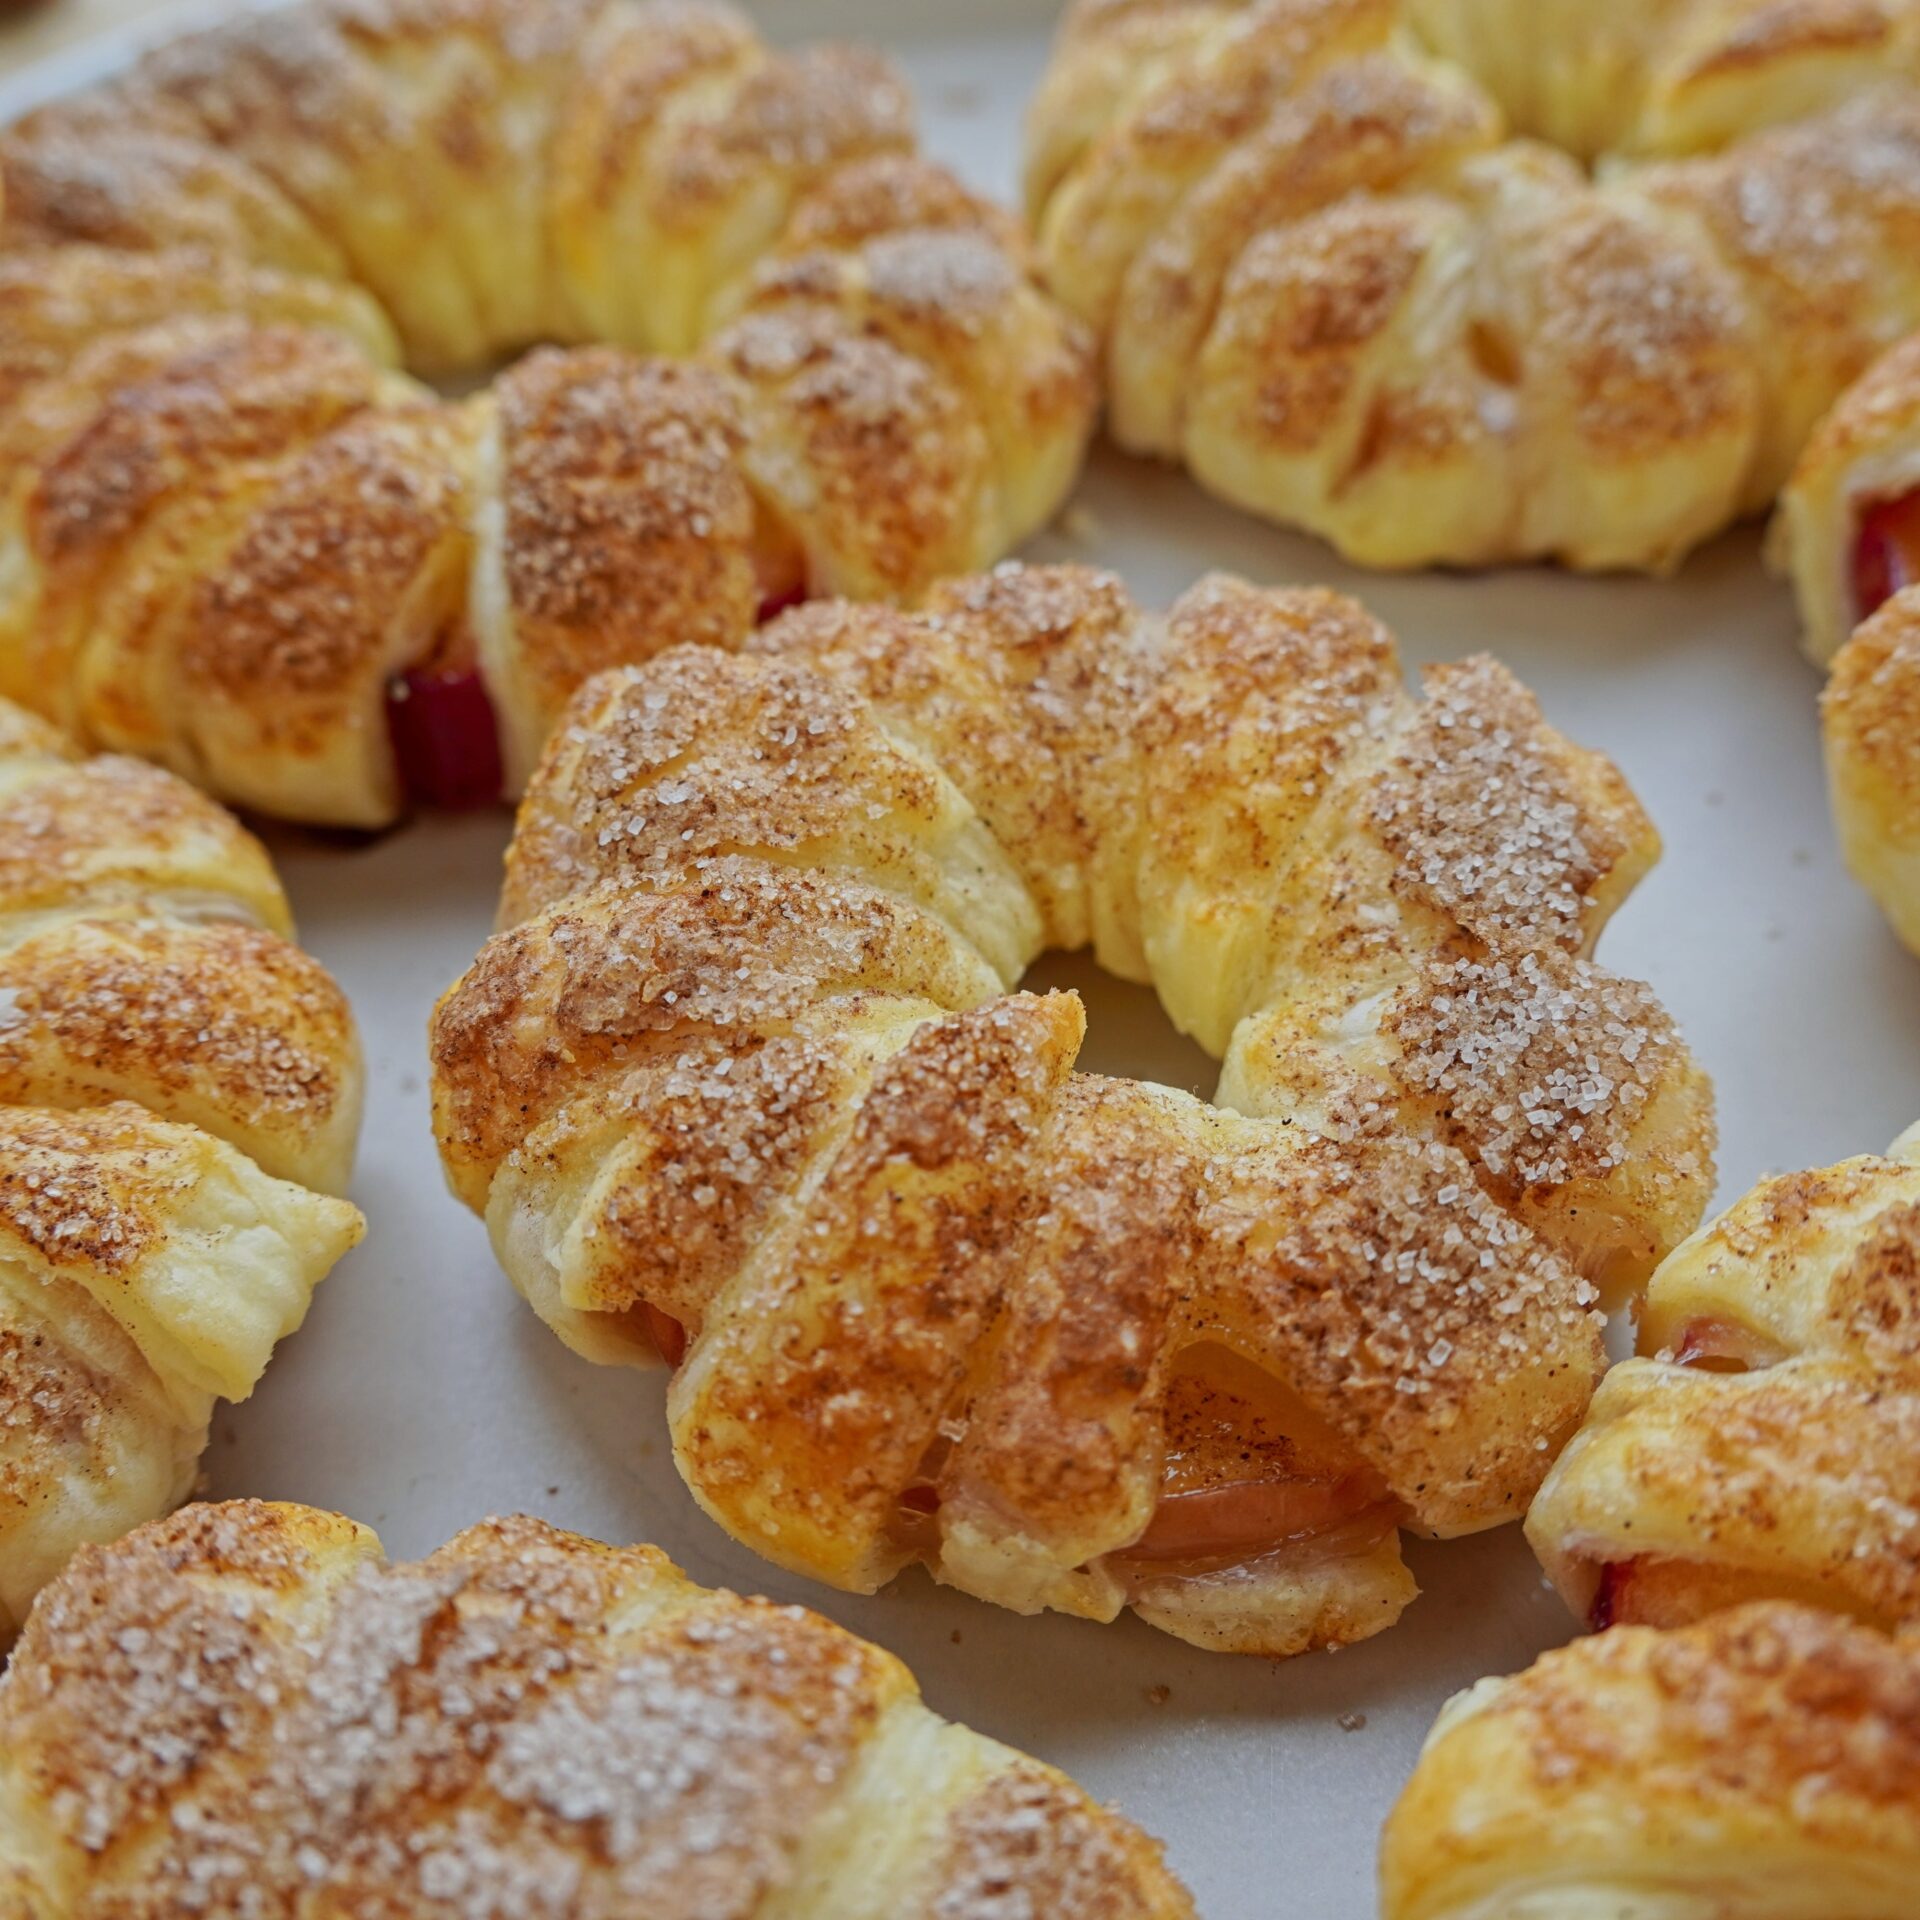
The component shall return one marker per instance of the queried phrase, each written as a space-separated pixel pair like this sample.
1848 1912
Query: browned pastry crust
1763 1765
1870 715
175 1078
245 1711
744 1070
1767 1444
1865 452
1848 532
1326 281
1670 76
878 393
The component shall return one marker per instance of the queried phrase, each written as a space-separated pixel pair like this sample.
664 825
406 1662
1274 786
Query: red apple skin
446 739
781 600
1886 552
1610 1596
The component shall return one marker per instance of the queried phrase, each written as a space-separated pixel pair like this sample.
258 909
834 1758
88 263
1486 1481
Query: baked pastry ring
743 1082
1762 1765
234 540
176 1081
1325 281
1767 1444
244 1709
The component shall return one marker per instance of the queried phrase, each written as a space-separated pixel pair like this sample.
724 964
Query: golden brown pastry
1763 1765
179 1094
234 540
1327 282
1669 76
1848 534
244 1710
743 1083
1766 1444
1848 529
1870 715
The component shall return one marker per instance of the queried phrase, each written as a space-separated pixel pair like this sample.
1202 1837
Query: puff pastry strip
1869 713
1768 1441
1763 1765
245 1712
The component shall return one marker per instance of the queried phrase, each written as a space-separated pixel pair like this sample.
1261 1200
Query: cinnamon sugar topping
240 1710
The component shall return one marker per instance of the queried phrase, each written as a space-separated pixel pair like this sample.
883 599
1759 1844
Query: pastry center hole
1494 355
1128 1033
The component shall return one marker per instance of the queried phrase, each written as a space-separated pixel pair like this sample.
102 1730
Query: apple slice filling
1709 1345
445 733
1659 1590
779 565
1251 1471
774 601
669 1336
1886 551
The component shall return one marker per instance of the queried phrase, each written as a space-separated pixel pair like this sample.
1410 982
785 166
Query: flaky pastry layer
1762 1765
180 1093
1767 1441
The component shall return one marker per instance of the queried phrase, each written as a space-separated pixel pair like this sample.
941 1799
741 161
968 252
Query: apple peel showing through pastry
446 738
1886 554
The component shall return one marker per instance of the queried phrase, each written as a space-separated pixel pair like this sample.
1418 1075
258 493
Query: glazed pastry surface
1869 712
744 1081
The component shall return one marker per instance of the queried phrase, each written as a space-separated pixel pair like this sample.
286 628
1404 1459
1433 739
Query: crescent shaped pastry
1767 1442
744 1083
244 1710
1327 282
179 1098
1762 1765
235 540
